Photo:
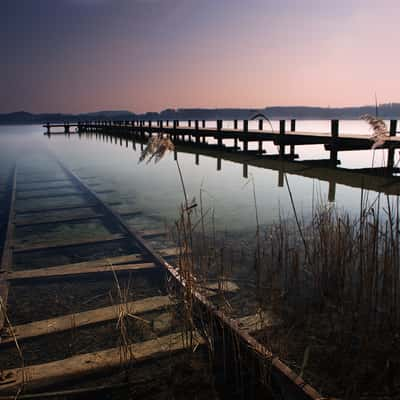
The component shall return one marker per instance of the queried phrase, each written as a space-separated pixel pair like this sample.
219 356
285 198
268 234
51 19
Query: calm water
155 189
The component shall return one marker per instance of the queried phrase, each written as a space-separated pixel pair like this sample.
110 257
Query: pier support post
235 124
197 159
196 127
293 125
219 164
260 124
282 131
335 135
245 170
219 137
66 128
48 128
203 123
245 131
281 178
332 191
392 132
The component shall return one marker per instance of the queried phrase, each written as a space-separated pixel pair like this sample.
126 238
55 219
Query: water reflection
221 177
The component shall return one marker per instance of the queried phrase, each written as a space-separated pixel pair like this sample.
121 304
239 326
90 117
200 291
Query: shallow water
112 167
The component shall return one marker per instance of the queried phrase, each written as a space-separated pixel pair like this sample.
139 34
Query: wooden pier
286 138
25 264
191 137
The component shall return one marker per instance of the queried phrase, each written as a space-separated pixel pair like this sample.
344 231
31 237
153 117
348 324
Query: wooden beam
47 196
120 264
149 233
258 321
34 181
34 377
55 216
23 248
7 255
60 208
89 267
91 317
55 220
75 272
43 188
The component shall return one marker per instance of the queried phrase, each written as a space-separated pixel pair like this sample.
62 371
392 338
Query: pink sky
144 55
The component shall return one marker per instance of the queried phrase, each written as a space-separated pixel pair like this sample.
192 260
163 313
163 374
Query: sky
147 55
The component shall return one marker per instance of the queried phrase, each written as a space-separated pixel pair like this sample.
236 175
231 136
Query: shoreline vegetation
386 111
326 289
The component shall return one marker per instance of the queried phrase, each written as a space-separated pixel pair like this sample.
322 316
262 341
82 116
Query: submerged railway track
114 296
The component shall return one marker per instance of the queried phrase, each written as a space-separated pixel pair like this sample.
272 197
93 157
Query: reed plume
156 148
380 131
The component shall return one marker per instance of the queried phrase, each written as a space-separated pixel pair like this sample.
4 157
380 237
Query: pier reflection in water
222 173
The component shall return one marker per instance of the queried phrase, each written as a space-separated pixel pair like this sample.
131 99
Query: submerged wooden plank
43 188
35 377
258 321
72 321
34 181
59 208
122 263
149 233
54 216
55 220
7 255
45 196
76 271
68 243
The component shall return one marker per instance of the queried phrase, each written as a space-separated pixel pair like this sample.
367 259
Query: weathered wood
55 216
60 208
258 321
34 181
35 377
23 248
45 196
132 262
55 220
149 233
73 271
210 289
256 353
44 188
7 255
91 317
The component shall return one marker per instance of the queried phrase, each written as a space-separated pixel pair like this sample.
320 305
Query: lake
156 189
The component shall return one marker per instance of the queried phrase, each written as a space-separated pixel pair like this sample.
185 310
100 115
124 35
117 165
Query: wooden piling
334 134
392 132
245 131
282 131
219 127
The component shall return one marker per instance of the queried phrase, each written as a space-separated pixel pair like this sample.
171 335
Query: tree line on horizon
386 111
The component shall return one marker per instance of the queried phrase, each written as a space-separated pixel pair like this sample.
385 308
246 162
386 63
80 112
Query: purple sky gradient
147 55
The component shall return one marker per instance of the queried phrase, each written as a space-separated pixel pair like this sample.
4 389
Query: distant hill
22 117
386 111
